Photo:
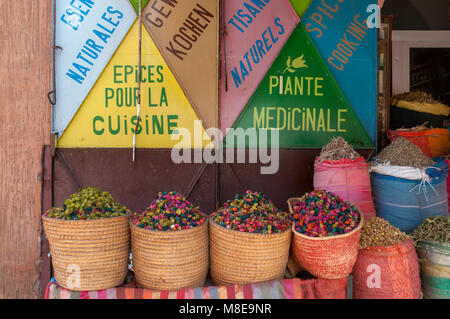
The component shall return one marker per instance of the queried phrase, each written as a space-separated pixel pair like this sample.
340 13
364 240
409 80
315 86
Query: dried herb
416 96
252 212
88 203
435 229
377 232
337 149
417 128
321 214
169 211
403 152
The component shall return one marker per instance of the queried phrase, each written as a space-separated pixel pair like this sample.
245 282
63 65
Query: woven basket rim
157 231
81 221
211 222
358 228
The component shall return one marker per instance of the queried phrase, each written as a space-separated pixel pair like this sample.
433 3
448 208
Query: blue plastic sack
406 203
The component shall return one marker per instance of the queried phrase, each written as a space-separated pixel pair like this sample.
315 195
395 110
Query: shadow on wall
418 14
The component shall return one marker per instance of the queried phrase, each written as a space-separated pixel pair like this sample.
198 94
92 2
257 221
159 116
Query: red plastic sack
433 142
349 179
417 138
387 273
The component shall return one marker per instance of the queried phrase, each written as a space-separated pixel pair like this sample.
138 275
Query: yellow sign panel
108 116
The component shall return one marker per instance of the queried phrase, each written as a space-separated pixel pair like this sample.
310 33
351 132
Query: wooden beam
25 55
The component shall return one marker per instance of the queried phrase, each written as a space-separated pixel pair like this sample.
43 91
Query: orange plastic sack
387 273
417 138
433 142
439 141
349 180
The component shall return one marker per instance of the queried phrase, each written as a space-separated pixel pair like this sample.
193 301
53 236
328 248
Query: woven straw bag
89 254
241 257
326 257
170 260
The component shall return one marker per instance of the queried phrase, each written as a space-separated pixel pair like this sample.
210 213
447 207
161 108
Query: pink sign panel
255 33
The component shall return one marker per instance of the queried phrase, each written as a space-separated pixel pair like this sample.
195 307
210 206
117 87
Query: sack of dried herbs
377 232
403 152
341 170
387 266
436 229
433 142
432 239
408 185
338 149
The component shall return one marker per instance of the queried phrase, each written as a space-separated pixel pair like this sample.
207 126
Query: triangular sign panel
300 6
135 4
186 32
87 35
300 97
340 31
255 32
107 117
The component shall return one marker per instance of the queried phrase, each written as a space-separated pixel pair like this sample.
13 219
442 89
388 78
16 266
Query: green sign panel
135 4
300 6
300 97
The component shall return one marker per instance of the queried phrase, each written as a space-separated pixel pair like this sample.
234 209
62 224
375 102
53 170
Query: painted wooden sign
186 33
300 6
341 33
254 35
300 97
135 4
88 32
107 118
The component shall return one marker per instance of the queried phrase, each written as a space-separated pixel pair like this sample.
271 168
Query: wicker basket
326 257
97 250
241 257
170 260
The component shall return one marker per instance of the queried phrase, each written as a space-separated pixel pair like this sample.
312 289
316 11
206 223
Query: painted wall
25 39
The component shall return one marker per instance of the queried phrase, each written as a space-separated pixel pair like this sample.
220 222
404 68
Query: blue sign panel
88 33
348 44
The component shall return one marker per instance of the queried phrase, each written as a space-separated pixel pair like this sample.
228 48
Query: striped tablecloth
280 289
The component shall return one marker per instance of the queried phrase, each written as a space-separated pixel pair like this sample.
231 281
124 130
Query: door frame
402 42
